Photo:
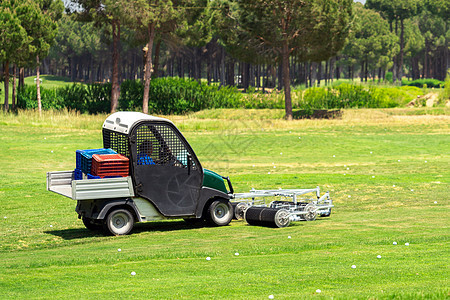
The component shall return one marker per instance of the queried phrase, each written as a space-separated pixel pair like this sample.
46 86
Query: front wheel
119 222
220 213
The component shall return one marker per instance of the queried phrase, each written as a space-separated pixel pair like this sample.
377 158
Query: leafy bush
389 77
420 83
174 95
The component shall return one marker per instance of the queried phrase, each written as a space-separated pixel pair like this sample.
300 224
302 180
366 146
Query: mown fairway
383 168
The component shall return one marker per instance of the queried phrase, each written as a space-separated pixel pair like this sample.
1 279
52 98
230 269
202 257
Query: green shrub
445 92
424 83
389 77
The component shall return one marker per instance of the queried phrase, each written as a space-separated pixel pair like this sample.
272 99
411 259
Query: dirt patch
428 100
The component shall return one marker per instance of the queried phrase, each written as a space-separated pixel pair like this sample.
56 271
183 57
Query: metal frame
305 209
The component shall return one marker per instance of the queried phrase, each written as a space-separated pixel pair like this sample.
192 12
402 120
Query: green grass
408 151
48 82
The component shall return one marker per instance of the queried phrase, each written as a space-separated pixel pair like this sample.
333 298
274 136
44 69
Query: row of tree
237 42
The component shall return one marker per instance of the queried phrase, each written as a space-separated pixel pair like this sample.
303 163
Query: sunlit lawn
387 172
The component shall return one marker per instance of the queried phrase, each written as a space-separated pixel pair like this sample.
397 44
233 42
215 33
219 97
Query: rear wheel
91 224
119 222
219 213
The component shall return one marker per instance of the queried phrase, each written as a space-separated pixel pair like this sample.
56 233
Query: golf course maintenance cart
161 178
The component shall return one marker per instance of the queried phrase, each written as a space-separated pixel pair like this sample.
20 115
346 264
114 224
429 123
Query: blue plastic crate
84 158
77 174
90 176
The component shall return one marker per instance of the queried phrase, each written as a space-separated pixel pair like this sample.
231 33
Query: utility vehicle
166 180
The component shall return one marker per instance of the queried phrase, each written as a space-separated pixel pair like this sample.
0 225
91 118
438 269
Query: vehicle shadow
73 234
158 226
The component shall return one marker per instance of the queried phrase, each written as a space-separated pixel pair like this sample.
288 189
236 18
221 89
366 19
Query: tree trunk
14 88
148 67
115 65
21 77
222 66
319 74
38 86
156 60
6 104
287 82
402 45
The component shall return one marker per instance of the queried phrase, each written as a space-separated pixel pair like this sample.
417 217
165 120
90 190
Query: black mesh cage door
165 168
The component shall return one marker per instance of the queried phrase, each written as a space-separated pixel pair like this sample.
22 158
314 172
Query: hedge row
424 83
179 96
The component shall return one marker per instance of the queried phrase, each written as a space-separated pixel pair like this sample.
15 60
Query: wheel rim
120 222
311 212
282 218
220 211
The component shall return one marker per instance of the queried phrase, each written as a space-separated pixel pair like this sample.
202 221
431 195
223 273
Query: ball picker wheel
239 210
311 212
282 218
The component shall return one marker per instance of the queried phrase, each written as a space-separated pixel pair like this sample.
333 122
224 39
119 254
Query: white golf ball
51 225
270 296
5 217
412 190
268 173
370 152
348 168
349 196
393 185
399 160
425 161
318 291
406 244
373 176
378 256
394 243
133 273
237 254
51 151
353 267
118 250
435 202
208 258
299 137
45 138
334 155
289 236
345 174
281 153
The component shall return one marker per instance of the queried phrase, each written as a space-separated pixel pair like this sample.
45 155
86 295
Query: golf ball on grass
118 250
318 291
394 243
378 256
208 258
133 273
237 254
271 297
353 267
406 244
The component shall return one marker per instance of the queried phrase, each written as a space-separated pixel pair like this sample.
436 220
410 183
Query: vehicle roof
123 121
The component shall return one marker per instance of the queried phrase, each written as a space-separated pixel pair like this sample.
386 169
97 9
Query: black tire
91 224
219 213
118 222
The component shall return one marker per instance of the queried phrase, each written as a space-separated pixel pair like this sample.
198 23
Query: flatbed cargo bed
61 182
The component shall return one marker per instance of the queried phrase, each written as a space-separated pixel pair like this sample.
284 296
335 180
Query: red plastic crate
110 165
